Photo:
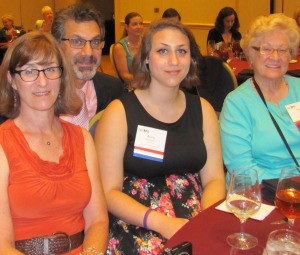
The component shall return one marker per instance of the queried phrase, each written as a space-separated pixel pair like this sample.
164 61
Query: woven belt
57 243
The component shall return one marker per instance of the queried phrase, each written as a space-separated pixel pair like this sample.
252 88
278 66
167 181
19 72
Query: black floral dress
171 187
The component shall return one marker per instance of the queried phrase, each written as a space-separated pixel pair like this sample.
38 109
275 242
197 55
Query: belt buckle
61 233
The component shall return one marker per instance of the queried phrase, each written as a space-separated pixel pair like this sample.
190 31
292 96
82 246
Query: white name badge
150 143
294 112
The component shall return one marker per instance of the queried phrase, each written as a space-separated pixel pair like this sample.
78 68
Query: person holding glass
249 115
51 196
9 31
158 147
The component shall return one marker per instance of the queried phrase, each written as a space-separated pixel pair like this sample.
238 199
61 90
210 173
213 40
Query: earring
15 96
59 97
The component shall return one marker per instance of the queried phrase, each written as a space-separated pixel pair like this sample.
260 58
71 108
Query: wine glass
287 198
236 48
243 200
211 47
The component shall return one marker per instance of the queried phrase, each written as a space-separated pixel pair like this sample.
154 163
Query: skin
228 23
269 70
8 24
85 61
169 61
135 31
38 124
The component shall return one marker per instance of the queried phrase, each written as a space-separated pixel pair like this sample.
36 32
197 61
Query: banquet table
238 66
208 231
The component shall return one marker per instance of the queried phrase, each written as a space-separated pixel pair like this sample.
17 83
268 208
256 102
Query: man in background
80 31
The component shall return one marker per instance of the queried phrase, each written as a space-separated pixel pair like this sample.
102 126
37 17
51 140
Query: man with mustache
80 31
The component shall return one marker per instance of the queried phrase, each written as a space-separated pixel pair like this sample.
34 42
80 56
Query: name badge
150 143
294 112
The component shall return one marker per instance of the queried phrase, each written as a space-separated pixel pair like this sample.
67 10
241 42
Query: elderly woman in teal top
249 137
126 49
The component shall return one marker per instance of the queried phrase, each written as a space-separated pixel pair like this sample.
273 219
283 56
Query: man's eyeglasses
268 50
51 73
79 43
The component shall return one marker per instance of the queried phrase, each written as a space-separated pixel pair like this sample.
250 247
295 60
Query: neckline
164 123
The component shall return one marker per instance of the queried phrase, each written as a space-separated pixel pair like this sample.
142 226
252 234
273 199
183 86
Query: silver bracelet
91 250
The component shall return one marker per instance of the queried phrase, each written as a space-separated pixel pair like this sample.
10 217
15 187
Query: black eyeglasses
51 73
79 43
268 50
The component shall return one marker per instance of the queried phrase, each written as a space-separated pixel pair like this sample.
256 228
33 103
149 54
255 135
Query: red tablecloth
208 231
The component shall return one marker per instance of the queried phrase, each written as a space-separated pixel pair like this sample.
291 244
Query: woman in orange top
51 196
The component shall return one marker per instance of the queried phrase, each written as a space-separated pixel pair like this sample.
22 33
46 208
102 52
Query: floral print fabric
172 195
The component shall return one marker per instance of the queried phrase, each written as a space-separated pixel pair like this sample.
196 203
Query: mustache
86 59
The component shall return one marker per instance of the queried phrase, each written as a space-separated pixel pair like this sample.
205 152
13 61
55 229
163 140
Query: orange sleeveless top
44 196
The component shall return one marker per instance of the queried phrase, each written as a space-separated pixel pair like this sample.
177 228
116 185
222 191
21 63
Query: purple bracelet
146 217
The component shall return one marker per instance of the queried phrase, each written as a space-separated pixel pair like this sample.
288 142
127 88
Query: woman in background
249 136
51 196
45 24
226 27
128 46
158 147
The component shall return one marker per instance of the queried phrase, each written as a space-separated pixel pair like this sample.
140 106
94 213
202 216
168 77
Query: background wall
199 15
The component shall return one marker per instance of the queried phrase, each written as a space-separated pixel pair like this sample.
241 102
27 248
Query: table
208 231
238 65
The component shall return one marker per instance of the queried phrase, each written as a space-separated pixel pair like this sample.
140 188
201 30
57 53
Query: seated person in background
9 30
151 196
226 27
249 136
171 13
80 31
45 24
128 46
49 178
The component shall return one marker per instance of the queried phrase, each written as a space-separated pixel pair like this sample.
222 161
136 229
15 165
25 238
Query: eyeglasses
79 43
268 50
51 73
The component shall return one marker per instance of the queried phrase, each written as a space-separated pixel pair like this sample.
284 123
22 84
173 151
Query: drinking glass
211 47
287 199
243 200
236 48
283 242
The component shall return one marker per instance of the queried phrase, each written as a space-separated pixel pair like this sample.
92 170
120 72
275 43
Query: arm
111 141
121 63
6 225
212 174
95 214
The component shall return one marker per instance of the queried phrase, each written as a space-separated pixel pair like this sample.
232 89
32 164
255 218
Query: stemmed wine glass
211 47
243 200
236 48
287 199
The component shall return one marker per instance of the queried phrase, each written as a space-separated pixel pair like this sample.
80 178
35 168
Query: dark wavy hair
36 45
225 12
141 72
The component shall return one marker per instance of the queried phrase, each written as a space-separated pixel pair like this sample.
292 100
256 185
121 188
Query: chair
218 79
93 123
112 60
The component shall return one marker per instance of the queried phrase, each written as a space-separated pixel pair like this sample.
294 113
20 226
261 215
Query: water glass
283 242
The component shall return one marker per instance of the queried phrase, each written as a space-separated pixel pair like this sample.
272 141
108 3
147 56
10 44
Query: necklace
133 46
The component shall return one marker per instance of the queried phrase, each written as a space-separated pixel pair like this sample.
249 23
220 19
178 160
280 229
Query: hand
171 225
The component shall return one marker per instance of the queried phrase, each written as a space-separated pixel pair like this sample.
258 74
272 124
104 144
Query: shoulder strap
275 122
